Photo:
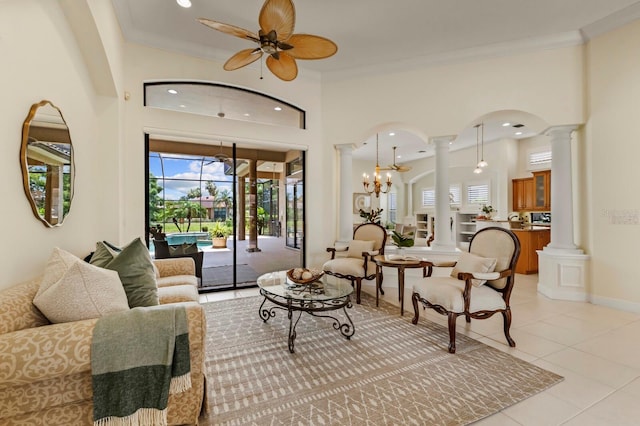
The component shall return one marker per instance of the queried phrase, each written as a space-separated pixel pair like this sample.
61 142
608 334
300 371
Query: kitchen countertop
529 228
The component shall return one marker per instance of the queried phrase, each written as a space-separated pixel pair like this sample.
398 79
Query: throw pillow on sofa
135 268
73 290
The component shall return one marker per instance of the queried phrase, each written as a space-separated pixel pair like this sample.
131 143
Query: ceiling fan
220 157
276 39
398 168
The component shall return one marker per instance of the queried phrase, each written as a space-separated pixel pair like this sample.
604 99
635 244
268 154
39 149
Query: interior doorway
197 192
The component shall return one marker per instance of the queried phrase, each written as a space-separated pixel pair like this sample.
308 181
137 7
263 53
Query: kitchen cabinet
532 194
542 188
523 194
530 241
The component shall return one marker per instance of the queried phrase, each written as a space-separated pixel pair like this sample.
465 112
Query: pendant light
482 163
478 169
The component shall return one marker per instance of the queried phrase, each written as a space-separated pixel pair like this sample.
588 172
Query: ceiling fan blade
306 46
278 15
284 68
230 29
242 58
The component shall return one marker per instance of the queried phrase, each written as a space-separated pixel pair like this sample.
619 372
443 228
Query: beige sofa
45 369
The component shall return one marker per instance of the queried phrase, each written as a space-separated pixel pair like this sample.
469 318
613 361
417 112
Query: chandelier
376 186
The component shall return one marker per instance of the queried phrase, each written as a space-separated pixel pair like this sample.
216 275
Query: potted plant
219 233
372 216
402 240
487 212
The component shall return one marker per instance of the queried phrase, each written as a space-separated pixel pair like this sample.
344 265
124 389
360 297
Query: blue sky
187 170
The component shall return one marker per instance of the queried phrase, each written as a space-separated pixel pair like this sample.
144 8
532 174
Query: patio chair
479 286
163 250
368 240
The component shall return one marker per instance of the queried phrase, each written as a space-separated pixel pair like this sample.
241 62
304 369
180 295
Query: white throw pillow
74 290
356 247
468 262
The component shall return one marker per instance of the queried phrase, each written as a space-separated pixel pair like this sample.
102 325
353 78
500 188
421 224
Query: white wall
612 172
443 100
42 61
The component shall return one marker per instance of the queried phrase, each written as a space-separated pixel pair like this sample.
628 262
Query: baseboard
622 305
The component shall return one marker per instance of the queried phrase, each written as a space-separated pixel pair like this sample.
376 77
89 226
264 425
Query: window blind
478 194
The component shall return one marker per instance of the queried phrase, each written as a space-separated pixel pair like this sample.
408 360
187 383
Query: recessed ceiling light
173 91
506 124
278 109
183 106
518 133
246 114
391 134
184 3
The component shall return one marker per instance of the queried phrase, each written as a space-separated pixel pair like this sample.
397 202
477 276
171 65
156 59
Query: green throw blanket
139 357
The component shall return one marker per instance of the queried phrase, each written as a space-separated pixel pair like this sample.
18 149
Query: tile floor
594 348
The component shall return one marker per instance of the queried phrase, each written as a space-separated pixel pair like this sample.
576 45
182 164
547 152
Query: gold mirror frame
46 158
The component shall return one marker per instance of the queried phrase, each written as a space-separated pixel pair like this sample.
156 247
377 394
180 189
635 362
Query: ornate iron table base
312 307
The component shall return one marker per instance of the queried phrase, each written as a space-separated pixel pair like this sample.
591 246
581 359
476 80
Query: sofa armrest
46 352
17 310
175 266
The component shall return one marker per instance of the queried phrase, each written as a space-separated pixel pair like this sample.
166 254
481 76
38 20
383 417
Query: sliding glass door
224 203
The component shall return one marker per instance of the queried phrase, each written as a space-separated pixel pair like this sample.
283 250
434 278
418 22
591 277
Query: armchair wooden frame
507 274
368 273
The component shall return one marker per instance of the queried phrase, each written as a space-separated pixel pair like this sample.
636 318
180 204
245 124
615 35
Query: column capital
345 147
439 140
564 131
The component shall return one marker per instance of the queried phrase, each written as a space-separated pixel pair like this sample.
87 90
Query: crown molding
611 22
510 48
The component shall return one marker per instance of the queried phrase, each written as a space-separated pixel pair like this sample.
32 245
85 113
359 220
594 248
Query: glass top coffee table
328 293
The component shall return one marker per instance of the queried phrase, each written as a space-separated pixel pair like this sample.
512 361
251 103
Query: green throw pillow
135 268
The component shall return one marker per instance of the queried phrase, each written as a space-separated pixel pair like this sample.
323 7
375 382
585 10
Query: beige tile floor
595 348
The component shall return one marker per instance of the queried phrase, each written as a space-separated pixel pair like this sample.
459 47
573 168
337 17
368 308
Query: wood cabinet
530 241
542 189
532 194
523 194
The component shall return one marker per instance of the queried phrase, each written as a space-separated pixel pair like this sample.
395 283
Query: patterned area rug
391 372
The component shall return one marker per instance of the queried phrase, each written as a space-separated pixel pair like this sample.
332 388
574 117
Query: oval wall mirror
46 157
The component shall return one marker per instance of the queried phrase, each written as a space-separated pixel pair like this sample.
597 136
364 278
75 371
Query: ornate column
443 234
409 215
561 190
345 183
563 272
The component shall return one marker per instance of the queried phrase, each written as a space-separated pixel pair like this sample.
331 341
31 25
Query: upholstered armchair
479 286
355 262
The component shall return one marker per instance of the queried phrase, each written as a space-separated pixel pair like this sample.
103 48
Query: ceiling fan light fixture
275 38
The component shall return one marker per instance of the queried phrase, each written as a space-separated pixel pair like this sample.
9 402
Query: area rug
391 372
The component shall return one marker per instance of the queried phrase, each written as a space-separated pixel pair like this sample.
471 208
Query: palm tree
225 198
211 188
